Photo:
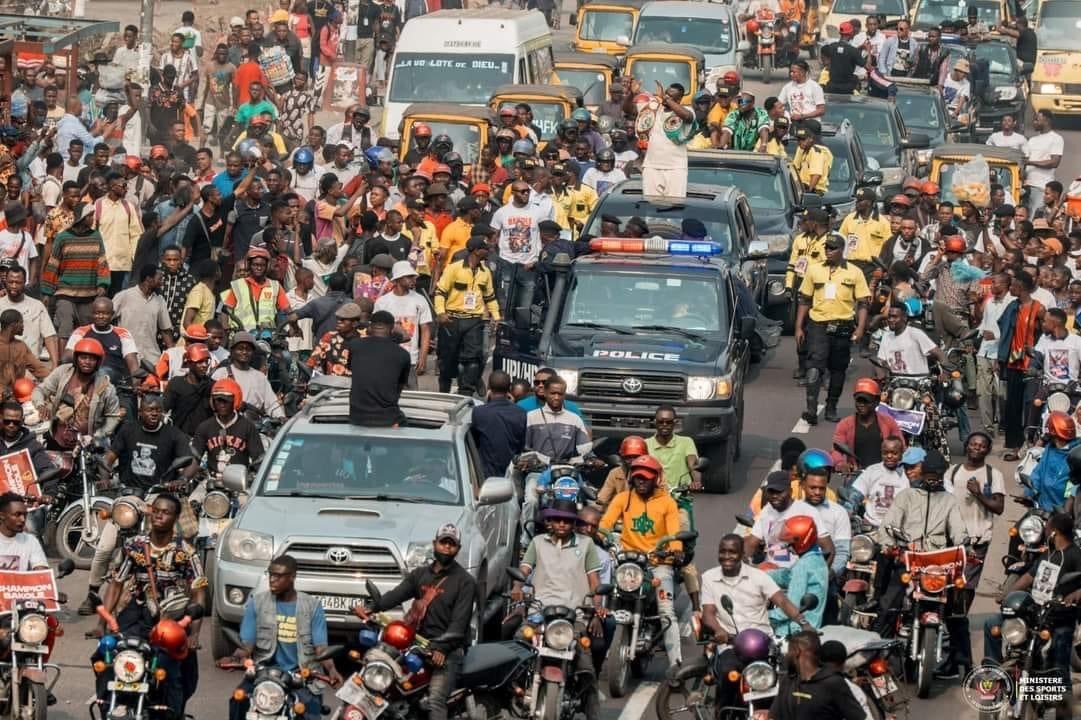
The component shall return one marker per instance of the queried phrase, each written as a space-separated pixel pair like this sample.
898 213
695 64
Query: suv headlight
267 697
1006 93
709 388
862 548
33 629
629 577
759 676
1014 631
1031 530
216 505
129 666
923 157
571 378
892 176
559 635
418 554
378 677
1050 89
247 546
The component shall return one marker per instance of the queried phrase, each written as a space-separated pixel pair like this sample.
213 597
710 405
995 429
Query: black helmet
452 157
568 125
618 134
953 398
442 139
606 155
1018 603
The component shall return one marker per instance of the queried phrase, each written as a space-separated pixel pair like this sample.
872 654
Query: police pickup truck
643 322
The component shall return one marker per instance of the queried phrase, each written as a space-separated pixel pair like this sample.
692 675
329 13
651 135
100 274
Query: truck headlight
709 388
571 378
1006 93
267 697
759 676
418 554
559 635
1050 89
629 577
1014 631
247 546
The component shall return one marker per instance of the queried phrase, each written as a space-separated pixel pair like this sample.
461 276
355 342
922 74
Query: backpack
123 201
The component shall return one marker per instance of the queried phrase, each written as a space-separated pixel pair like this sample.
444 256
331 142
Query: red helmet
399 635
633 446
904 200
1060 425
151 384
731 78
171 637
89 346
646 465
866 386
226 387
800 533
752 26
422 129
955 244
196 331
196 352
23 388
930 188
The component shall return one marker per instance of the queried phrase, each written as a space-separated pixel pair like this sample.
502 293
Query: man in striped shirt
76 273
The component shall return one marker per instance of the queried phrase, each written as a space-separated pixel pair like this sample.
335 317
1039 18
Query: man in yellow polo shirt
831 315
807 249
812 161
864 231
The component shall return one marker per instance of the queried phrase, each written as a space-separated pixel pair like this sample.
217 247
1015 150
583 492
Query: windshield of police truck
638 299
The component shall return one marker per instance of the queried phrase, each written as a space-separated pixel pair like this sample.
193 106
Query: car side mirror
746 328
702 464
687 536
916 141
495 490
235 478
623 40
758 249
871 177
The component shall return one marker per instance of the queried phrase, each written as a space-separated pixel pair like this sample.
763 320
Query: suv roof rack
424 409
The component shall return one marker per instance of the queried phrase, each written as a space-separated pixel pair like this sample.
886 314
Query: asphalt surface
773 404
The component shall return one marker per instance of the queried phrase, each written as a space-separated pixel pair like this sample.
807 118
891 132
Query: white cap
236 21
402 268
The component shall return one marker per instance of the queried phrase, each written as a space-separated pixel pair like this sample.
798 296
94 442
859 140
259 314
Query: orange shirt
246 74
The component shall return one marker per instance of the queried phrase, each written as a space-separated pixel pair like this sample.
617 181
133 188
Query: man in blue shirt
537 399
286 629
498 427
227 180
71 127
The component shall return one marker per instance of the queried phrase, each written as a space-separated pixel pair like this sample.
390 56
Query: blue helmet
913 307
304 156
581 114
814 461
523 146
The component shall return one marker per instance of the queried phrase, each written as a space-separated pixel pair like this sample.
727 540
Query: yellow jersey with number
806 250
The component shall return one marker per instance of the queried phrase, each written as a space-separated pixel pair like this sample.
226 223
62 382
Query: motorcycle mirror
589 491
614 460
450 637
373 591
65 568
745 520
195 611
878 363
726 604
686 536
604 589
702 464
180 463
844 449
808 602
516 574
331 651
48 475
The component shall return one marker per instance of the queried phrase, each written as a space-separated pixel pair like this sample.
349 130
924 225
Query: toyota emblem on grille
338 555
632 385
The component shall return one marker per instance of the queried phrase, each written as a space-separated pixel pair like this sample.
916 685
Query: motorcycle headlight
932 582
862 548
629 577
1030 529
33 629
759 676
1006 93
125 514
559 635
267 697
378 677
129 666
903 398
1058 402
1014 631
216 505
247 546
571 378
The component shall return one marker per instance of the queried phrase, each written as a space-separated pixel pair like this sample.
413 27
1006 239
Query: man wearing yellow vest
831 315
864 231
812 161
255 300
807 249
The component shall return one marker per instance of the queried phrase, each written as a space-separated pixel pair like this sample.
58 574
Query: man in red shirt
250 71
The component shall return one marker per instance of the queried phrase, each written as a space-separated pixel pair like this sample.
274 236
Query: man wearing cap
370 285
255 300
802 97
563 567
256 388
747 128
18 244
331 355
465 291
778 132
864 430
864 231
832 314
412 316
443 593
812 161
779 506
353 131
845 61
956 90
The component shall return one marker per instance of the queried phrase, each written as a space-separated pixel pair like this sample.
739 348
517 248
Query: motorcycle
78 526
870 664
135 690
559 481
1027 541
763 29
29 630
905 396
216 501
639 626
858 598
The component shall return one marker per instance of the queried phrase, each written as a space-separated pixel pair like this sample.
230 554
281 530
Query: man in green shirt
748 128
258 105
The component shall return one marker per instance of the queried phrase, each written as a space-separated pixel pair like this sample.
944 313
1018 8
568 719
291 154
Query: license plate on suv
340 603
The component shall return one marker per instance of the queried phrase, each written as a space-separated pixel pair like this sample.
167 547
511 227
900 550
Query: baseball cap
436 189
833 240
934 462
819 215
1005 211
507 110
449 531
777 480
401 269
383 260
279 16
866 193
480 188
476 243
243 337
1052 244
963 66
693 227
913 456
348 311
236 21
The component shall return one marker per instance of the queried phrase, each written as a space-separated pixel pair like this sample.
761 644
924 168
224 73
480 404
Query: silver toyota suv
357 503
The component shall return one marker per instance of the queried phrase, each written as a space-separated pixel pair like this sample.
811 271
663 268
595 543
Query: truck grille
1071 89
613 385
367 560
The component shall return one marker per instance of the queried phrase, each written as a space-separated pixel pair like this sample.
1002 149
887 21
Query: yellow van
667 63
469 128
1056 78
551 104
606 26
1007 168
592 73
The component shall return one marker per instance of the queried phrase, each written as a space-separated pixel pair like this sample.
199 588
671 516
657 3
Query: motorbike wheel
925 665
767 69
69 538
681 701
549 701
619 668
35 700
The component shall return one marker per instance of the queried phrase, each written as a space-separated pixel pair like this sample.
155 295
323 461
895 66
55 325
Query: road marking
635 709
802 427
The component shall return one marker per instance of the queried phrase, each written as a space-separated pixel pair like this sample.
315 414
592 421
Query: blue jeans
1061 644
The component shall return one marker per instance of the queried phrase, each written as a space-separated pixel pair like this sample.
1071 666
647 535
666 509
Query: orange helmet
731 78
171 637
196 352
930 188
195 331
633 446
901 200
228 388
89 346
866 386
1060 425
800 533
752 26
955 244
23 388
422 129
399 635
647 465
151 384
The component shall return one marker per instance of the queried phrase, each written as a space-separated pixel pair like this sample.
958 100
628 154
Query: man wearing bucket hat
412 317
956 89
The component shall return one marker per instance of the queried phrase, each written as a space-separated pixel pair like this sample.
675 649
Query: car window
665 72
590 82
608 26
416 470
921 111
476 478
707 34
932 13
763 190
664 221
872 124
863 7
999 174
630 299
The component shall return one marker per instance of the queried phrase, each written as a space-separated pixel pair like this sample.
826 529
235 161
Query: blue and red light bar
655 246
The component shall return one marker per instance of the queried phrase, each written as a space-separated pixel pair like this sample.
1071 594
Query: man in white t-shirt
878 485
802 97
518 224
38 330
18 244
19 551
1061 349
956 90
1045 150
604 174
412 316
664 171
906 349
780 506
1008 137
833 520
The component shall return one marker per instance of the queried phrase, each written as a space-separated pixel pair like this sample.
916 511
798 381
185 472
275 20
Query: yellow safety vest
255 312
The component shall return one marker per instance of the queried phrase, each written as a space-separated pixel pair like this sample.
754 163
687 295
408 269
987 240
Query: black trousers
829 348
461 343
1017 404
